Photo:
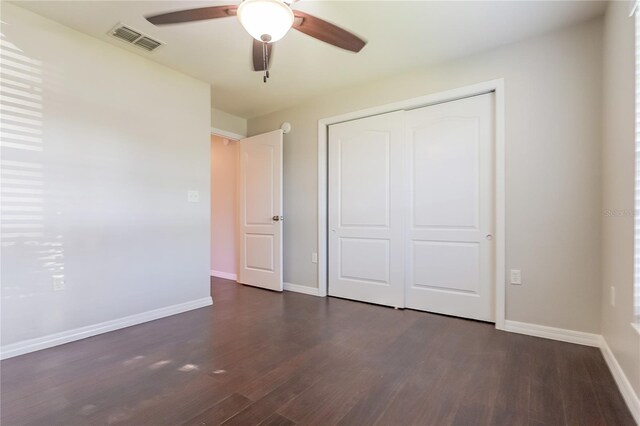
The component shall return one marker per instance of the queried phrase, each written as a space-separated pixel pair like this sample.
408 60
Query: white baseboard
32 345
629 395
302 289
561 334
225 275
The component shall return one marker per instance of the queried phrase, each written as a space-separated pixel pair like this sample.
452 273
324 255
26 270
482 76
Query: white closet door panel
449 211
432 270
445 173
365 259
365 210
364 180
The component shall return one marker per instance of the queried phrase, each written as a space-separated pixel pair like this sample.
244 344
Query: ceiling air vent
147 43
135 37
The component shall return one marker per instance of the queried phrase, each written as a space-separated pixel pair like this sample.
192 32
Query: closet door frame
495 86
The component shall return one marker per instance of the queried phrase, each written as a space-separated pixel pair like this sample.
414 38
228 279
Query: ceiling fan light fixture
265 20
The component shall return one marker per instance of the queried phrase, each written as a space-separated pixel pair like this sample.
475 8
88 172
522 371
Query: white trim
225 275
628 394
501 206
226 134
301 289
553 333
56 339
496 86
323 172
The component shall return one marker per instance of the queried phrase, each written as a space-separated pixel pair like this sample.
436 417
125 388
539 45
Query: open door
260 190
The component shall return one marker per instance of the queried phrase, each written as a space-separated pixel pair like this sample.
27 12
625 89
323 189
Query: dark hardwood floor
263 358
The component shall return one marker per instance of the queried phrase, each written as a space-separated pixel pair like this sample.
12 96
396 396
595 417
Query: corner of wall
228 123
620 342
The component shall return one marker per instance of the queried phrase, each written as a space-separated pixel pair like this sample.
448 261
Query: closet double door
411 208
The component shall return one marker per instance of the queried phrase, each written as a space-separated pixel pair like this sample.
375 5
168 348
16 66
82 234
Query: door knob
277 218
489 237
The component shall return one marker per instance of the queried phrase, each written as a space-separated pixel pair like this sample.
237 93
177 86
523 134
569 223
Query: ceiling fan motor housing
265 20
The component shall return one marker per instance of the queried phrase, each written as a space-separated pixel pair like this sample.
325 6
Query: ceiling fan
267 21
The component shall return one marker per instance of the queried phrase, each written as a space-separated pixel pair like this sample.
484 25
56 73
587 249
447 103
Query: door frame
493 86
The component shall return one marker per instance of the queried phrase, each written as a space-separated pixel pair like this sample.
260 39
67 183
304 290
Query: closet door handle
277 218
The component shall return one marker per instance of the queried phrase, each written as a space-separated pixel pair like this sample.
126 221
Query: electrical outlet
612 296
193 196
58 283
314 257
515 276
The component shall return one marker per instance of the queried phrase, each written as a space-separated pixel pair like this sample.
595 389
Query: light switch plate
193 196
515 277
314 257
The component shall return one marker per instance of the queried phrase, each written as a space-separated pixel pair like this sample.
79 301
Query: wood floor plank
338 391
221 411
398 365
546 405
511 405
277 420
612 405
431 392
370 408
479 395
261 357
262 409
576 389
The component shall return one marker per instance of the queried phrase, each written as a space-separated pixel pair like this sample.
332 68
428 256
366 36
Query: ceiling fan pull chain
265 61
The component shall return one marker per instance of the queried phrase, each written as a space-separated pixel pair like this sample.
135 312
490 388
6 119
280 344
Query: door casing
495 86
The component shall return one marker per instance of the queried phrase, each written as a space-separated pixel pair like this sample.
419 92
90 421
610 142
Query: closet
411 208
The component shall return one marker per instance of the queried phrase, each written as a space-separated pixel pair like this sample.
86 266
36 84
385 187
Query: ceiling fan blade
258 57
191 15
327 32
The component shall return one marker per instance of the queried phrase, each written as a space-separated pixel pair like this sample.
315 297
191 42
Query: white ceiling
401 35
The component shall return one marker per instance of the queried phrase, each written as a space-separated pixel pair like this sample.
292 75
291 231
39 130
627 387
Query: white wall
99 148
228 122
618 156
224 211
553 140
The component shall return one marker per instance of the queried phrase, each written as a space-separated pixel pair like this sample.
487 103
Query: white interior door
449 215
260 189
365 210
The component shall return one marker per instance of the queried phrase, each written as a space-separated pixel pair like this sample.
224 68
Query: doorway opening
246 209
224 207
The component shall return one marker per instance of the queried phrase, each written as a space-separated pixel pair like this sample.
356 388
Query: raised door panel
365 260
258 194
364 179
445 169
432 261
